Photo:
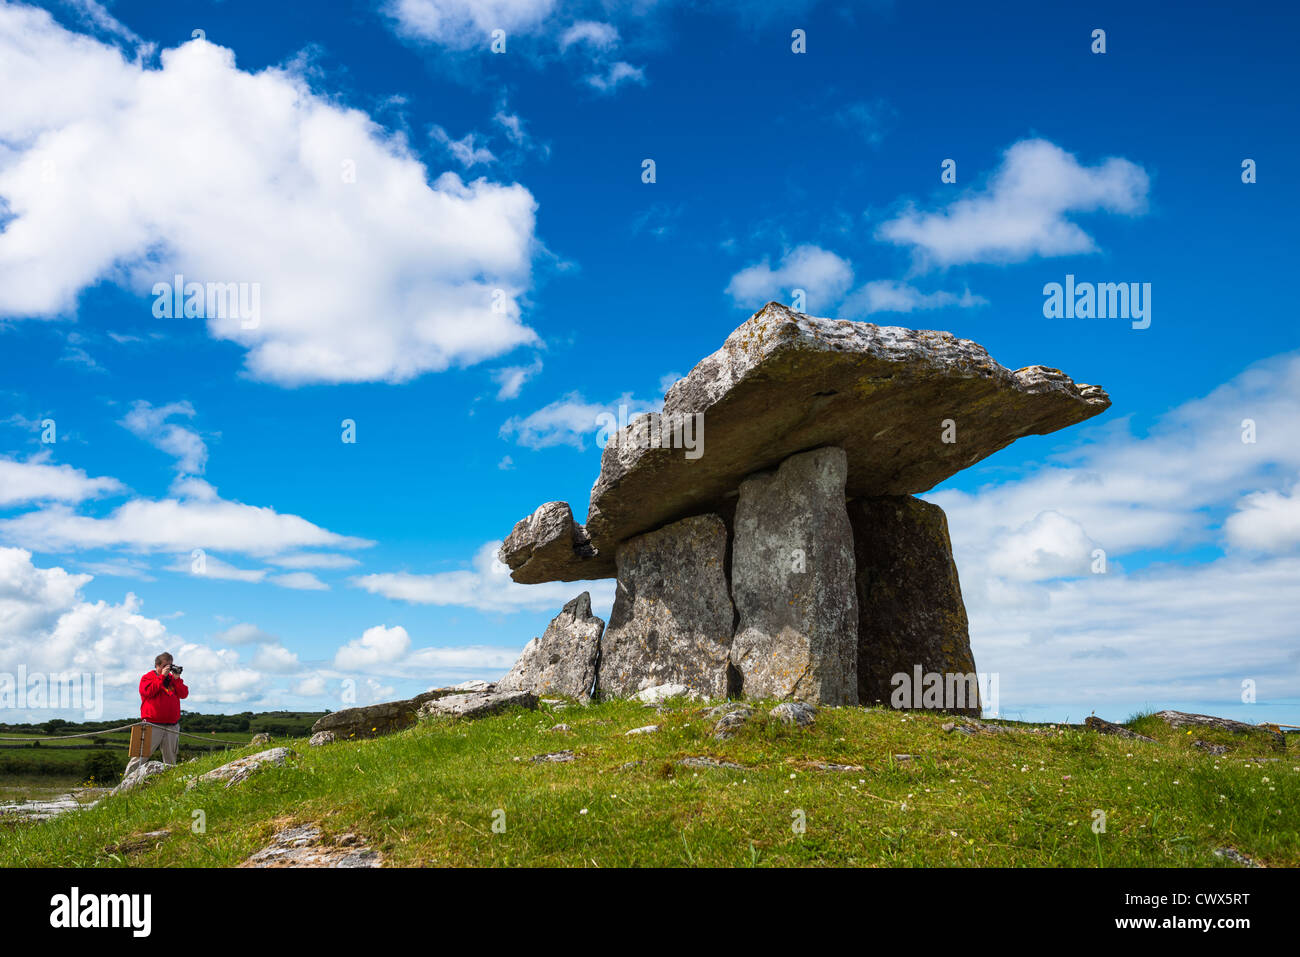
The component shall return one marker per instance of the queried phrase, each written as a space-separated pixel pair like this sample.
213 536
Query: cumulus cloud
367 269
172 525
1053 621
47 627
377 645
1266 521
36 480
1024 210
824 277
485 585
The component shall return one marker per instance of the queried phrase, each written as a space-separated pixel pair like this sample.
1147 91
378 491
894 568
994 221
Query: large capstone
792 579
563 660
912 624
672 618
908 407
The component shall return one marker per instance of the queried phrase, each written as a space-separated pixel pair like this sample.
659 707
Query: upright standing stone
792 577
563 660
912 620
672 618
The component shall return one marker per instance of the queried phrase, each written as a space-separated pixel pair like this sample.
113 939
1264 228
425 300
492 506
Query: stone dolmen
784 556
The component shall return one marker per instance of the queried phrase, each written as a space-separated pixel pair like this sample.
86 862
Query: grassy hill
430 796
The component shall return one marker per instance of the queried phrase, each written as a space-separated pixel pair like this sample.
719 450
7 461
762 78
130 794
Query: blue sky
379 174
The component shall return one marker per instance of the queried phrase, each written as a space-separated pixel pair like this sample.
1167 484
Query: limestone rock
731 721
305 846
648 729
543 546
478 704
474 684
660 693
260 738
371 721
137 775
792 579
781 384
909 604
1101 726
563 660
1182 719
672 618
241 768
321 738
796 713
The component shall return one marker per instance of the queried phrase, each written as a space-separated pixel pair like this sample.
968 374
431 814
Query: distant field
904 793
69 761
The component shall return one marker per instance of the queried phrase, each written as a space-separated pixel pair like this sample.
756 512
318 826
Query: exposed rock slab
1102 726
672 617
792 580
305 846
563 660
373 720
909 602
137 775
233 772
478 704
781 384
1182 719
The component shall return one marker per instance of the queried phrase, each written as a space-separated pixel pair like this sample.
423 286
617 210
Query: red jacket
159 702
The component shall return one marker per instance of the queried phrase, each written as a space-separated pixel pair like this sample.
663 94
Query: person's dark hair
161 658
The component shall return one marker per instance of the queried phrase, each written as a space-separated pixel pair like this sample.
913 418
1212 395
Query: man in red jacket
161 691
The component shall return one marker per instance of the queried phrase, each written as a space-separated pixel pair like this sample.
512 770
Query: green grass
427 796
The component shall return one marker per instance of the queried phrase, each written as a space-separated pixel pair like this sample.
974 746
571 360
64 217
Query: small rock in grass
555 757
321 738
731 722
795 713
560 727
648 729
703 761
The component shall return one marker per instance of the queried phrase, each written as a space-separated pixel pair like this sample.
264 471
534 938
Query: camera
175 670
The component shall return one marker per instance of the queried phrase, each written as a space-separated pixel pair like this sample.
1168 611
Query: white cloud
1024 210
275 659
185 445
486 586
244 634
462 24
1186 632
889 295
301 581
463 151
571 420
173 525
47 627
616 75
313 686
512 378
602 36
35 480
376 646
824 277
314 560
129 174
1267 521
